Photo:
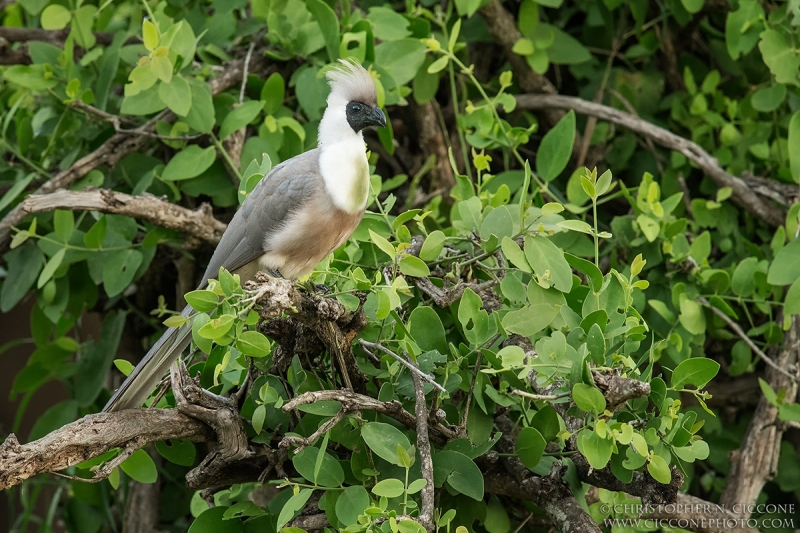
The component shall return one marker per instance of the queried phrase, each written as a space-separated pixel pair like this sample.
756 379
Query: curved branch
199 224
119 146
94 435
742 193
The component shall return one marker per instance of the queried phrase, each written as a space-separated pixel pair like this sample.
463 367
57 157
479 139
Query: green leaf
55 17
432 247
388 24
390 488
780 56
293 506
329 25
189 163
460 472
202 300
498 223
217 327
240 117
383 439
124 366
556 148
212 521
548 262
659 469
794 146
696 371
530 320
140 466
546 421
178 451
82 24
530 447
97 233
257 420
120 269
330 473
588 398
273 93
383 244
402 59
177 95
593 273
596 449
33 77
692 317
792 300
50 268
742 28
566 49
414 266
514 253
438 65
649 227
64 224
427 330
24 265
693 6
149 35
351 504
253 343
201 115
768 99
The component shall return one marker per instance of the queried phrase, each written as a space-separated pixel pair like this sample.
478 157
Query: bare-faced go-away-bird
301 211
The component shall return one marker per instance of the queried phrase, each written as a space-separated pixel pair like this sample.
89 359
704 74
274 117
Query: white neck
343 160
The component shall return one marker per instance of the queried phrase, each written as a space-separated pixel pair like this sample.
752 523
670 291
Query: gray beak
377 118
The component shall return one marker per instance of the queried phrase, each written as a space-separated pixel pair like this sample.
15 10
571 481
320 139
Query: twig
530 396
353 402
742 335
414 370
246 70
199 225
303 443
424 448
742 193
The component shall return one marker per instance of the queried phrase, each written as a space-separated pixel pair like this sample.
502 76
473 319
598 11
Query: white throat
343 159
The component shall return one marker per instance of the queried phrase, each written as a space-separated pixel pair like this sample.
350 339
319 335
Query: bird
301 211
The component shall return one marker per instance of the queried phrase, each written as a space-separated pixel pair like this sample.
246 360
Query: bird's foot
311 287
274 272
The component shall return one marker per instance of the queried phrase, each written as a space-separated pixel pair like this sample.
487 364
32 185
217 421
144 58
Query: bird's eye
355 108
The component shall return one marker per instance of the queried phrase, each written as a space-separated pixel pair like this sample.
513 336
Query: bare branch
756 461
91 436
402 360
424 447
352 402
742 335
197 225
117 147
742 193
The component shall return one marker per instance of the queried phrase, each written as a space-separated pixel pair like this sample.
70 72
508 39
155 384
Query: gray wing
281 191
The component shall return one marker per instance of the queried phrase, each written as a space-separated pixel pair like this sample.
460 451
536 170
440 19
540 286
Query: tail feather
147 374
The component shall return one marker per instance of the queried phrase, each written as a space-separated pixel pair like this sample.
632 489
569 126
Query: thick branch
94 435
756 461
119 146
199 224
742 193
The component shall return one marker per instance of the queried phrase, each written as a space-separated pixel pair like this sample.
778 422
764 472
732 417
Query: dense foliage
499 253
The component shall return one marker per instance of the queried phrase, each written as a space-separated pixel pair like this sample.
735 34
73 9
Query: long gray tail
148 373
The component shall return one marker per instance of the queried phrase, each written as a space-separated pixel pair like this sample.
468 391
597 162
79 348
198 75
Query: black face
360 116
